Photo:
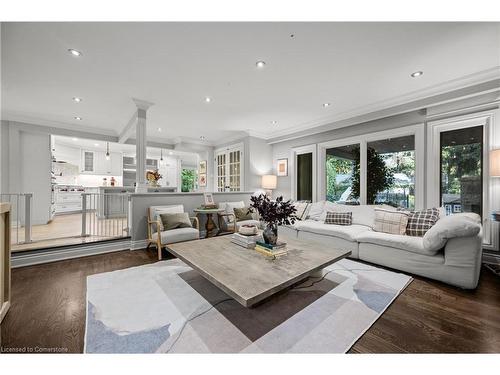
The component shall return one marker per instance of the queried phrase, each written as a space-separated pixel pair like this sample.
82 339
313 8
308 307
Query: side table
211 229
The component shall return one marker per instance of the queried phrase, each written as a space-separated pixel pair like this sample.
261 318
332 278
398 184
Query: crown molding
435 90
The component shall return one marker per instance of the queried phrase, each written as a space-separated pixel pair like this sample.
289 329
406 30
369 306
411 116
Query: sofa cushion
350 232
302 208
177 235
419 222
230 206
397 241
390 222
361 214
315 210
452 226
338 218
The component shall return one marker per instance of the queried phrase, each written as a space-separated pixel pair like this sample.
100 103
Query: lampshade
495 163
269 181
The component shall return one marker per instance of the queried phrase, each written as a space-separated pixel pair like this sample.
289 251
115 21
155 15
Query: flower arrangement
153 177
273 213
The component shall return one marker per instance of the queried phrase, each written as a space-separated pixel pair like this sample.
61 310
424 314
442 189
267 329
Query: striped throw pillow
419 222
391 222
338 218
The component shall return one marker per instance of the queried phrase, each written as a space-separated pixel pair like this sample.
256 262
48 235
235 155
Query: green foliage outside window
188 180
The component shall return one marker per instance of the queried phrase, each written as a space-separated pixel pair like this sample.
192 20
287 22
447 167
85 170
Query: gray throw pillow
173 221
243 214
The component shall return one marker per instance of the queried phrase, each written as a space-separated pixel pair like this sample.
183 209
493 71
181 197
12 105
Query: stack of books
246 241
271 250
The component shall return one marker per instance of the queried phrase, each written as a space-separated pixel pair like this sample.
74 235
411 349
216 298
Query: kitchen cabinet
95 162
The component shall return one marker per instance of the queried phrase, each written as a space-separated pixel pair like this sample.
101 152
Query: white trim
418 130
490 195
23 259
293 169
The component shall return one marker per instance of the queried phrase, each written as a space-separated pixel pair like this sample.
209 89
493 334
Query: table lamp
269 182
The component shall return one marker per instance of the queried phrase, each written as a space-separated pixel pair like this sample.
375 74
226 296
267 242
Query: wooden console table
4 259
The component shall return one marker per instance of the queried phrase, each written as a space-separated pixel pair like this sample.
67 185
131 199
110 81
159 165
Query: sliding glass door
461 170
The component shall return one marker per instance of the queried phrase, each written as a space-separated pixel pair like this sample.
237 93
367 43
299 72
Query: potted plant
273 213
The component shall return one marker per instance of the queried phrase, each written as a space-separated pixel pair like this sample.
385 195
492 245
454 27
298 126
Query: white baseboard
23 259
491 258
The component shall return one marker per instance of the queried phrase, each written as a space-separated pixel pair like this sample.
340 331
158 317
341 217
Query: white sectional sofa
450 251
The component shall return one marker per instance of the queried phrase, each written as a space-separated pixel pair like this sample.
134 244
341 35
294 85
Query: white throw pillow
450 227
391 222
316 210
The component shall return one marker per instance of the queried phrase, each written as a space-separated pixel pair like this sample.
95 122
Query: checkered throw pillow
419 222
338 218
392 222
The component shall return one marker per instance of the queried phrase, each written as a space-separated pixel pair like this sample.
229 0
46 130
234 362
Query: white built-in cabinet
229 168
95 162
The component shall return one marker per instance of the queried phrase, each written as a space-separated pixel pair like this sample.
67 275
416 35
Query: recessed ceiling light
78 118
208 99
274 122
74 52
202 137
260 64
417 74
76 99
159 129
74 139
96 144
326 105
170 153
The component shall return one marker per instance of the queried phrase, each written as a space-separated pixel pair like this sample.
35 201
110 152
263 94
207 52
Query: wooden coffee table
248 276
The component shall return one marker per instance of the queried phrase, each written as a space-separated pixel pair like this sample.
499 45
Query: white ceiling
176 65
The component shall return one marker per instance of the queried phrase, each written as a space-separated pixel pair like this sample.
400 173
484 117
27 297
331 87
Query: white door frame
293 169
490 194
417 130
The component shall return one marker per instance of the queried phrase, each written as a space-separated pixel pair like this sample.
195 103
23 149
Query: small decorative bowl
248 230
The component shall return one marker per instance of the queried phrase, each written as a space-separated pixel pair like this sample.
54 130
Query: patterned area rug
167 307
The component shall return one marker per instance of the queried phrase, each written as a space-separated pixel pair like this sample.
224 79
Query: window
390 172
342 172
229 166
461 170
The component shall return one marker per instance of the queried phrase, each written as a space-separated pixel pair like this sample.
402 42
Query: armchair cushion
175 220
155 211
177 235
243 213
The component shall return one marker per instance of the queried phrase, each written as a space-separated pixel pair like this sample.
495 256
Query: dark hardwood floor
48 311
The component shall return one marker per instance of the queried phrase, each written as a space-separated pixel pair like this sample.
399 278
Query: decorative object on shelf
202 180
282 167
153 177
269 183
104 181
113 181
273 213
209 199
203 167
248 230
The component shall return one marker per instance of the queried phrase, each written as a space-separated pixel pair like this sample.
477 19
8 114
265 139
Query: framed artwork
209 199
203 167
202 179
282 167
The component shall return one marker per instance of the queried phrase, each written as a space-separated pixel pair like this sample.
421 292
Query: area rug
167 307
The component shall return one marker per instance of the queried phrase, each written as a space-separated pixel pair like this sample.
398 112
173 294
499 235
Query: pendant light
161 154
107 151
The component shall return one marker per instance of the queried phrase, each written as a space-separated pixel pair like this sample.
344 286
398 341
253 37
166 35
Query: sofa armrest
465 253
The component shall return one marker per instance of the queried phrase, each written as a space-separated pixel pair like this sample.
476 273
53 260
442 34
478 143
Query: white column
141 146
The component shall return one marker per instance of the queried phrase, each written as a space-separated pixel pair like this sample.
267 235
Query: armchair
228 221
159 237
